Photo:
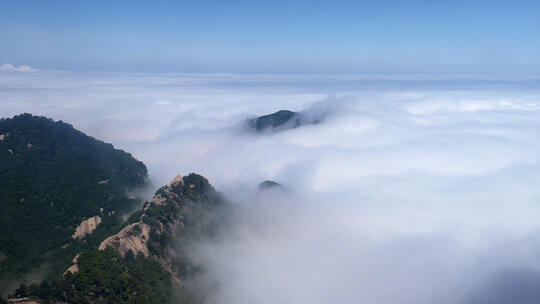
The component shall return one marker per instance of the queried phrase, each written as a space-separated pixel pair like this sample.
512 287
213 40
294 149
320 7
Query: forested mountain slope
52 177
146 262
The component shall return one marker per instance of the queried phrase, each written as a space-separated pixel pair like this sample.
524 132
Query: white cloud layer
21 68
413 190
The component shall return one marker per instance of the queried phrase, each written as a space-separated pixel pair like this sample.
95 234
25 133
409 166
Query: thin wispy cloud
21 68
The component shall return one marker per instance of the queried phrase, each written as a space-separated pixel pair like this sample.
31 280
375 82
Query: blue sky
272 36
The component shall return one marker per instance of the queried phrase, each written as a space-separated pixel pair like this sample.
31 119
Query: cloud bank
417 189
21 68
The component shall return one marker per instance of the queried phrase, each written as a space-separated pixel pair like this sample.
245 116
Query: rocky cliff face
75 267
23 301
132 238
86 227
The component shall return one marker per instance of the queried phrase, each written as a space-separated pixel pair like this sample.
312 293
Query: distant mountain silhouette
279 121
268 184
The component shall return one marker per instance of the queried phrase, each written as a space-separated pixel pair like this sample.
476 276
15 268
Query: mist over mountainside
415 189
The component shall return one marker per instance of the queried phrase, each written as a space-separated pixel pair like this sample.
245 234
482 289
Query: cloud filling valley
414 188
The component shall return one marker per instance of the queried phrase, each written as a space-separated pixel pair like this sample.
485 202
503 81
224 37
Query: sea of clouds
414 189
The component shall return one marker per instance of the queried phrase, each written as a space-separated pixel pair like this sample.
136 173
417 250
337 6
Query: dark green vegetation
51 178
106 277
190 212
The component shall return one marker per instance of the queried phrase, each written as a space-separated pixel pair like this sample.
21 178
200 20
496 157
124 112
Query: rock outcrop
178 180
86 227
75 267
23 301
132 238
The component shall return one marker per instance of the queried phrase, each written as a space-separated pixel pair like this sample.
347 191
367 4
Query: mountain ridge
98 258
51 182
